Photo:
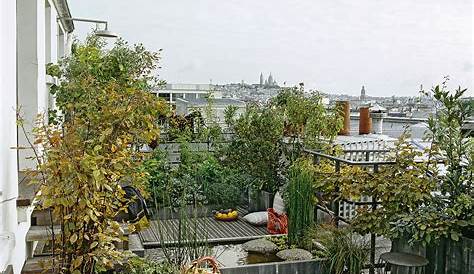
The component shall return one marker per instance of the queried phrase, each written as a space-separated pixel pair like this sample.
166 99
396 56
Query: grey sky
335 46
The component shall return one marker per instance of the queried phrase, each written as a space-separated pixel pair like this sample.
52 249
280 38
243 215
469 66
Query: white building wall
8 136
29 39
32 90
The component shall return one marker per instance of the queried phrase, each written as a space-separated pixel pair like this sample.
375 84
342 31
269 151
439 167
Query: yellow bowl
231 216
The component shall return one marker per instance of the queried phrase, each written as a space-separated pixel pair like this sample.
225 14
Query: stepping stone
295 254
260 246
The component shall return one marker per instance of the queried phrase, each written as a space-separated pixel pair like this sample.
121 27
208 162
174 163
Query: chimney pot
365 123
345 107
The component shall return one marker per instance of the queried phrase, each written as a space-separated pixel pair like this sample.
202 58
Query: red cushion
277 224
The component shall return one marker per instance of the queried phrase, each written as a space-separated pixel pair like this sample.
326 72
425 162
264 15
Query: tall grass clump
300 199
344 250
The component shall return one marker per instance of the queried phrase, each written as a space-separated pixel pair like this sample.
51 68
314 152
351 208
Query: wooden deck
207 229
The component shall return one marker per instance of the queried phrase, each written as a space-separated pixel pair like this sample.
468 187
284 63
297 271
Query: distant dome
270 79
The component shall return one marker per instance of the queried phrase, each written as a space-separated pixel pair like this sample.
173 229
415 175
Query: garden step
33 266
41 217
41 233
135 245
26 190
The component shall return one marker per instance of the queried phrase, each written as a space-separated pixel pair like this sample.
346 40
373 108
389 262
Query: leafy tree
307 121
448 214
409 187
256 147
91 149
416 200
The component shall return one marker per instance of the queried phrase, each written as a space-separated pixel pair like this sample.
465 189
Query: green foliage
451 143
137 265
256 147
281 241
306 118
158 176
191 244
448 215
229 115
200 125
409 187
218 185
91 150
200 179
53 70
416 201
344 251
300 199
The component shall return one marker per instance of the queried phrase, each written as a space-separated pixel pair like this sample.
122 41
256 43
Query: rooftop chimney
365 124
345 110
378 113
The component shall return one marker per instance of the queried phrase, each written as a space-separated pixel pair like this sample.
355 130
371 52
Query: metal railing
370 158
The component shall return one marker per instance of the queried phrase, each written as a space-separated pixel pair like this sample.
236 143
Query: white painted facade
8 158
171 92
31 36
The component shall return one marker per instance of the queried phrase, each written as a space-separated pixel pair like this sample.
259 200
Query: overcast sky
334 46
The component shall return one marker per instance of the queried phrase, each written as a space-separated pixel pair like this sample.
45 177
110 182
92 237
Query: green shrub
200 179
136 265
345 251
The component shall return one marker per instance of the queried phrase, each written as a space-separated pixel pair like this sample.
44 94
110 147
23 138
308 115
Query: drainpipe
365 124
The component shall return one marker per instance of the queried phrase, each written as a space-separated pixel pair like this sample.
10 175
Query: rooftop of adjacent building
215 101
185 87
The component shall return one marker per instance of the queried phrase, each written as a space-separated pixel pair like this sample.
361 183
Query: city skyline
336 47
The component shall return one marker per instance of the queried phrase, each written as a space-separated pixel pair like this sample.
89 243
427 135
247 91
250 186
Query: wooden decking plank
248 228
157 231
214 229
147 235
205 228
221 230
161 231
245 229
240 230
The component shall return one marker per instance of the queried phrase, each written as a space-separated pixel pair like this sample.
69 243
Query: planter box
260 200
449 257
306 267
446 257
